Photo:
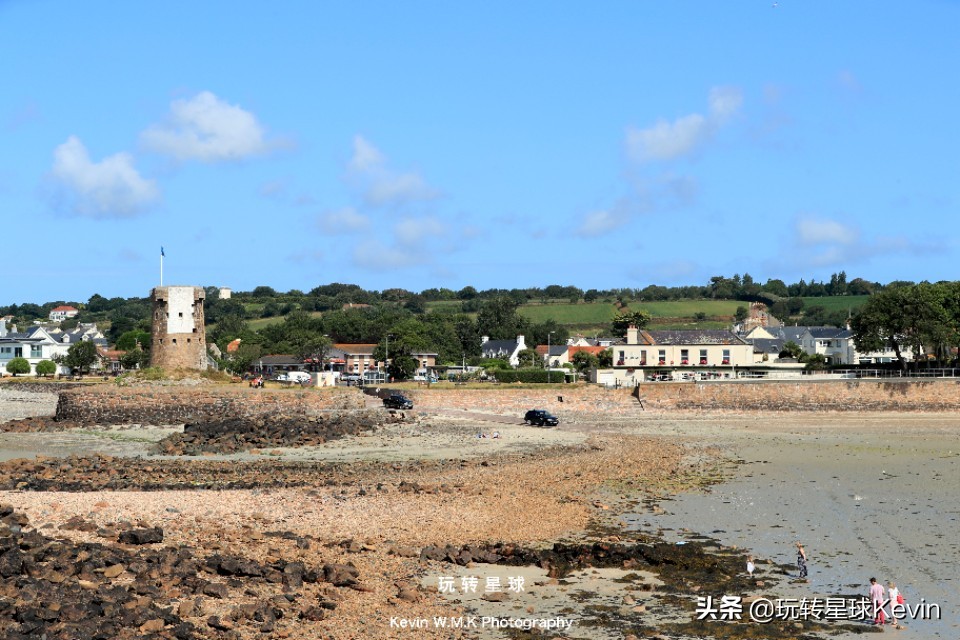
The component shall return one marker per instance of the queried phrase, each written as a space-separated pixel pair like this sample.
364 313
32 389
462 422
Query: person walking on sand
750 566
801 560
876 598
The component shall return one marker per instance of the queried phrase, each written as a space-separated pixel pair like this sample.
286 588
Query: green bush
526 375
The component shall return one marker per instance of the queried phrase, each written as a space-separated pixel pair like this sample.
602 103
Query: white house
836 345
508 349
61 313
40 343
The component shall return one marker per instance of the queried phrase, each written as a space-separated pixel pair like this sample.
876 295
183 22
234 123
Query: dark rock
142 536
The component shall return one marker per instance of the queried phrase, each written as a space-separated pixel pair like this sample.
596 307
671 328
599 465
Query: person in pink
877 594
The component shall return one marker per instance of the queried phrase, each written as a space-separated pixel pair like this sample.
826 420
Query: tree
605 359
17 366
584 361
623 320
46 368
129 340
792 350
403 367
136 358
80 356
527 357
741 314
498 319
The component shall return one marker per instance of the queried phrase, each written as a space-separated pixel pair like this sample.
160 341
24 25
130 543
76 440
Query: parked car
541 418
397 401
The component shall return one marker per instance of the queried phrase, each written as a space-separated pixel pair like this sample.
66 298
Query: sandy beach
868 494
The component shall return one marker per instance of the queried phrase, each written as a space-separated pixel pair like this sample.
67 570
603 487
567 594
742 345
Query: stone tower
178 340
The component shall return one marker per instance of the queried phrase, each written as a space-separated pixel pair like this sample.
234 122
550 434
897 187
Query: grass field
586 313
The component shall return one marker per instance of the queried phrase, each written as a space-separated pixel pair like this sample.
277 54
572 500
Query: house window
622 357
684 356
726 356
703 356
5 349
662 356
36 351
643 357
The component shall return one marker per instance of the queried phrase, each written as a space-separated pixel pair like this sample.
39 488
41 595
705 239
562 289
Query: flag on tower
161 251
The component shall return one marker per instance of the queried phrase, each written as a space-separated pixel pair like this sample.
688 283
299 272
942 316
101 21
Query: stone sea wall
840 395
178 405
104 404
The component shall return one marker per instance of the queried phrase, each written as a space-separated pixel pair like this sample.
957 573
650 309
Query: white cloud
366 157
665 140
344 221
725 102
684 136
813 231
111 188
380 185
375 255
599 222
412 232
208 129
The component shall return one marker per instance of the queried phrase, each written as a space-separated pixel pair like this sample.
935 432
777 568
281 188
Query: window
662 356
5 350
703 356
726 356
684 356
622 357
36 351
643 357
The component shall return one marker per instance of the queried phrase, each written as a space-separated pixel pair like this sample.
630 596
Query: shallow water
864 504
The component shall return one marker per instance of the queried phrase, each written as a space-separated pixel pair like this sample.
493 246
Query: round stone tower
179 340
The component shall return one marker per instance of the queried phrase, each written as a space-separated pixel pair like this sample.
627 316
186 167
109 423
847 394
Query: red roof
64 308
594 350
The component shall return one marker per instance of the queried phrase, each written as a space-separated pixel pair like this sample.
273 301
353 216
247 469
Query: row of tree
125 314
922 318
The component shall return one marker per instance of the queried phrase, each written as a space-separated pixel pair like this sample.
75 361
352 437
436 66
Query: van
296 377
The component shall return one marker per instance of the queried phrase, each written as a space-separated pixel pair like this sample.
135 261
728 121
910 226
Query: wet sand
868 496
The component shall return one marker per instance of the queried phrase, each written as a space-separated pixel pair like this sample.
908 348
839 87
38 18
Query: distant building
225 293
507 349
61 313
178 337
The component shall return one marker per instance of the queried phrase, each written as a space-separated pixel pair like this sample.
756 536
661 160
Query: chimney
520 343
633 335
484 339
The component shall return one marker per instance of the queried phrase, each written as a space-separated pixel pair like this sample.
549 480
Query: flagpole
161 266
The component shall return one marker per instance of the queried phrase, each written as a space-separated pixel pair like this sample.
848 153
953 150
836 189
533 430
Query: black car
397 401
541 418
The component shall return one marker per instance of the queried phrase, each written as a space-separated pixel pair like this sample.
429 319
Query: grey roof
830 333
768 345
276 360
788 334
499 346
696 336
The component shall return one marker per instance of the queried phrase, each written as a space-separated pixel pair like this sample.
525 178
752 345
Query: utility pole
549 333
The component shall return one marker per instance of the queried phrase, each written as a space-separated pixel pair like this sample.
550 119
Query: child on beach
895 599
750 565
801 560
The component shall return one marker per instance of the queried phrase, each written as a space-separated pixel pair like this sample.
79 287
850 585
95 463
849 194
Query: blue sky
431 144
